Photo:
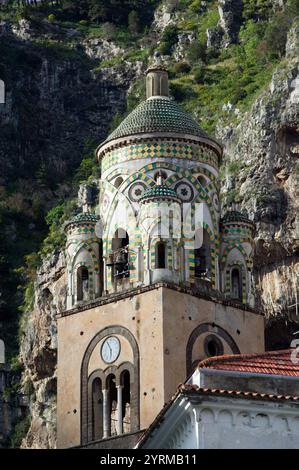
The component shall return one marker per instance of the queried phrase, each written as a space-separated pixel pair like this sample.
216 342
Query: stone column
119 409
104 276
106 414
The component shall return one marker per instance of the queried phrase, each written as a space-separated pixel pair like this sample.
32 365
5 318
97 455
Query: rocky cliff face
71 104
39 352
75 100
265 148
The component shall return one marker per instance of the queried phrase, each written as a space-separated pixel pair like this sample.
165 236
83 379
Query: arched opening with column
82 283
119 393
110 407
236 283
119 257
161 255
118 182
97 409
202 254
125 383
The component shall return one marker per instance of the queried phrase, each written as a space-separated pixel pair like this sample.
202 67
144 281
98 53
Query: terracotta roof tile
237 393
273 362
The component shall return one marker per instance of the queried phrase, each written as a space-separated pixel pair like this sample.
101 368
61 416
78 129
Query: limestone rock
214 37
87 195
101 49
185 39
265 145
23 29
230 12
165 15
39 352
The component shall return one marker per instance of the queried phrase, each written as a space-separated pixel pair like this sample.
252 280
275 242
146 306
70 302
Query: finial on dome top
157 78
157 58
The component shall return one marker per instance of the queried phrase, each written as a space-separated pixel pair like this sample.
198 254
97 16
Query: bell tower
164 283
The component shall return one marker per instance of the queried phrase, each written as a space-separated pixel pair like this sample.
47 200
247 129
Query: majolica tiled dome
157 114
159 192
83 217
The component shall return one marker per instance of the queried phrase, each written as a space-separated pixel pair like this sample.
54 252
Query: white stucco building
232 402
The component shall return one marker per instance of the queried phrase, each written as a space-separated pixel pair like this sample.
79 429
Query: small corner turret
84 254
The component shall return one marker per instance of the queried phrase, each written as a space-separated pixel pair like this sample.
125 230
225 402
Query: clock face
110 349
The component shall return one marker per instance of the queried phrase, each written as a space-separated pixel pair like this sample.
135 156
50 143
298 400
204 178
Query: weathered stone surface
39 352
265 146
214 37
185 39
230 12
87 195
165 15
101 49
72 104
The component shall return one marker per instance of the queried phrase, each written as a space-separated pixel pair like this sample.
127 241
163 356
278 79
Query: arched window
119 180
82 283
202 180
202 254
236 284
97 409
112 404
126 401
160 255
160 176
120 255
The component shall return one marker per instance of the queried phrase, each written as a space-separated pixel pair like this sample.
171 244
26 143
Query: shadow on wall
280 332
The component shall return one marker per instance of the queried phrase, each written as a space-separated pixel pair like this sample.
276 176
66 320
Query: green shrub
196 51
108 31
256 9
23 12
83 22
133 22
181 67
178 91
51 18
169 39
55 215
293 7
212 53
199 73
196 6
19 432
88 167
276 34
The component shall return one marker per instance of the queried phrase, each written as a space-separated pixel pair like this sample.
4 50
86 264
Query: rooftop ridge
269 362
